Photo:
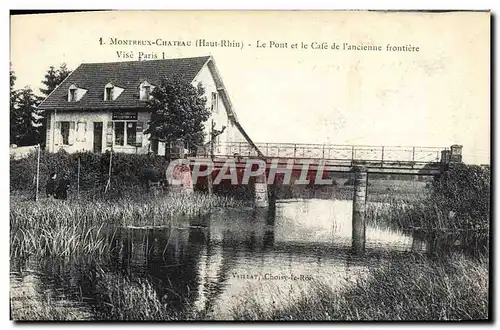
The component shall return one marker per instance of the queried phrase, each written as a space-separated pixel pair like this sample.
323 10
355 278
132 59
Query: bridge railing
382 154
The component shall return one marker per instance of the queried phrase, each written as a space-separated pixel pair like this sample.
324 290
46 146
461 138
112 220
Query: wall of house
231 133
219 116
81 134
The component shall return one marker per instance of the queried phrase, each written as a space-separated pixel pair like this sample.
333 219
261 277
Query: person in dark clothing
51 185
62 189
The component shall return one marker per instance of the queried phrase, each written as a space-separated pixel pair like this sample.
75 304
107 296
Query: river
213 263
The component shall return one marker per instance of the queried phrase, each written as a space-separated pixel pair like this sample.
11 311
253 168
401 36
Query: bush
127 169
464 190
459 199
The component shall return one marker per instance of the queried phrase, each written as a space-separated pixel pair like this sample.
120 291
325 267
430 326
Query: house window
119 133
131 133
108 94
125 133
72 95
65 132
215 102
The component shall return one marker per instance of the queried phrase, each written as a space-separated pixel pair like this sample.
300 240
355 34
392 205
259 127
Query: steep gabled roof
127 75
93 77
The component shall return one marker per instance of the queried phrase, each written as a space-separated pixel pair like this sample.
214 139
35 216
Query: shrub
465 190
127 169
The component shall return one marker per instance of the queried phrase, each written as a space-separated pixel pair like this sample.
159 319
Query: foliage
13 105
178 111
465 190
25 119
54 77
459 200
12 82
27 123
127 170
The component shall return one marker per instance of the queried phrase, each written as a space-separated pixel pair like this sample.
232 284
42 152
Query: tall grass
121 298
455 289
426 215
116 297
54 228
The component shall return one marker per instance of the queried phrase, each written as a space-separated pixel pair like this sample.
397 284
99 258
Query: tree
25 118
13 93
12 81
54 78
178 111
13 106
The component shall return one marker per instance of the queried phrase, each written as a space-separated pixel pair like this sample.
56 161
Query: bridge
318 159
414 160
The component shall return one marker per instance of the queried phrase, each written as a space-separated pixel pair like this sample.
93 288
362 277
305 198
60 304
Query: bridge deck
333 158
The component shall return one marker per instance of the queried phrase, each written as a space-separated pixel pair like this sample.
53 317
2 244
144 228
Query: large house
102 106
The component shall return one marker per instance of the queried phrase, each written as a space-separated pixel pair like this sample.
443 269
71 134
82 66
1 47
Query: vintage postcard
250 165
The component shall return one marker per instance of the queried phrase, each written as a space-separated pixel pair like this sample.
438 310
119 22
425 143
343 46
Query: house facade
103 106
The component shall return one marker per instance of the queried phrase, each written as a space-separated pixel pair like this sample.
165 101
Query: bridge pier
261 198
359 208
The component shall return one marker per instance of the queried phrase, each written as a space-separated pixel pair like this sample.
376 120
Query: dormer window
72 93
145 91
112 92
108 92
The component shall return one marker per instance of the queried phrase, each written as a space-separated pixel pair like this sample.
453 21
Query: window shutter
109 134
81 131
57 134
72 133
138 133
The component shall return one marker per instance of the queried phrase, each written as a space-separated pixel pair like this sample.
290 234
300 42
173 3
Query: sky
435 97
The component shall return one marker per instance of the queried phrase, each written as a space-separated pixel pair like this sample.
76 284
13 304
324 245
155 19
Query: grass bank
55 228
451 289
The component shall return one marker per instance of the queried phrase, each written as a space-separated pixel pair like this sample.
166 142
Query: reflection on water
211 263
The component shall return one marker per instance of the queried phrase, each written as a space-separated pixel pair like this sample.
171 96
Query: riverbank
449 289
454 288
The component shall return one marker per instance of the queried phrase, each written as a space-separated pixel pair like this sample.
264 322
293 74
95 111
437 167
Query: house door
98 137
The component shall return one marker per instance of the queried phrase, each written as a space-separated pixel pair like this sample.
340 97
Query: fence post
108 184
413 154
37 173
78 180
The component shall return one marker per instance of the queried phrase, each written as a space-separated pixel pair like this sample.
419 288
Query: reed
54 228
422 290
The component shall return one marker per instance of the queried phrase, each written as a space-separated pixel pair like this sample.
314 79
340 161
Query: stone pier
261 198
359 208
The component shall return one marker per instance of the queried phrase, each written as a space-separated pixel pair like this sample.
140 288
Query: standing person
62 188
50 189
